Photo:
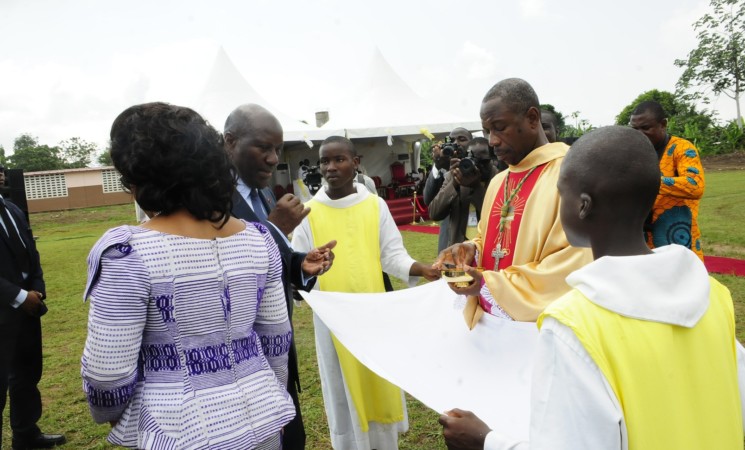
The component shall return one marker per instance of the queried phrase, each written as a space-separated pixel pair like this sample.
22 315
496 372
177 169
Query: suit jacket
291 261
431 187
11 278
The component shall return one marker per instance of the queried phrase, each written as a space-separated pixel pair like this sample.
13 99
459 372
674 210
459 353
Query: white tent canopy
384 105
381 113
226 89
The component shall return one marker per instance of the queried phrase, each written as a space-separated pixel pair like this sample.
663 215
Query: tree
3 158
32 157
681 113
672 106
76 153
25 141
718 63
683 118
29 155
105 158
425 153
580 127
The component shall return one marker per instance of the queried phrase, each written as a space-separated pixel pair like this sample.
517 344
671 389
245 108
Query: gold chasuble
661 409
541 257
357 269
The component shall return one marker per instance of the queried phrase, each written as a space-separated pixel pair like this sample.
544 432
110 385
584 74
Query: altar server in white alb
364 411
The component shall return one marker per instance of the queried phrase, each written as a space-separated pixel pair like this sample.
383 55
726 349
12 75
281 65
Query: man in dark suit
22 292
254 139
441 154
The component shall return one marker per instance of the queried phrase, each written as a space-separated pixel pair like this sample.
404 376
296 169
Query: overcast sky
67 68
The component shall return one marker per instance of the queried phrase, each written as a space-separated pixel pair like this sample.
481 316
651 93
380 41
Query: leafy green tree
105 158
77 153
32 157
718 63
25 141
3 158
559 116
733 136
425 153
672 106
577 129
683 118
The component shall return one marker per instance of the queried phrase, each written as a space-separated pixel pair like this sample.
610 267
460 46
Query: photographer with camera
464 185
442 153
313 179
303 169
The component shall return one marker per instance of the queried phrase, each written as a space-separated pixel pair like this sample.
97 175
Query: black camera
449 149
468 166
313 179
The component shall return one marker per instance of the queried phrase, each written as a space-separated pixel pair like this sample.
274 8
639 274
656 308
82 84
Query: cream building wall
55 190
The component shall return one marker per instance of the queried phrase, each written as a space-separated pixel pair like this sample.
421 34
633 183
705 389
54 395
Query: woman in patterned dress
188 334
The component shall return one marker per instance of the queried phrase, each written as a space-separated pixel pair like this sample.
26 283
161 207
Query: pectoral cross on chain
498 253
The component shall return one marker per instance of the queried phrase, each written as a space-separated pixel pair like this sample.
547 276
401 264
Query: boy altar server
364 411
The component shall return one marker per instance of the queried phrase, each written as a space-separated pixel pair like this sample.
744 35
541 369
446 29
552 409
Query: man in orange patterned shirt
674 217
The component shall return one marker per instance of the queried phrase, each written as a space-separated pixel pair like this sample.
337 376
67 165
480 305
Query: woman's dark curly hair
171 158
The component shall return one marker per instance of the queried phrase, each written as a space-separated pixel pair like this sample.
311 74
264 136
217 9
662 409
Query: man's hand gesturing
288 213
319 260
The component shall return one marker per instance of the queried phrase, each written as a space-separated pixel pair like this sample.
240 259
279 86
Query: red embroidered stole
508 236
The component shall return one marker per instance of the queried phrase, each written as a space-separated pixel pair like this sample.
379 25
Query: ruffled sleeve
116 237
118 288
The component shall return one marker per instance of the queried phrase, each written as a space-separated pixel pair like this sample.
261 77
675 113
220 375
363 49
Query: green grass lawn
66 237
722 214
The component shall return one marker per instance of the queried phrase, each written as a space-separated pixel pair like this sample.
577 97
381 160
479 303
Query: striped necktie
258 205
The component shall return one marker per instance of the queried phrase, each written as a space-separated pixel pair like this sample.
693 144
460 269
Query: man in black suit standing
22 292
441 155
254 139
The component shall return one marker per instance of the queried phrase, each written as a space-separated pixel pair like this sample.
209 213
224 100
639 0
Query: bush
685 121
733 137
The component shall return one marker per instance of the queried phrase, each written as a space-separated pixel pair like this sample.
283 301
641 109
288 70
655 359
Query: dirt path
729 161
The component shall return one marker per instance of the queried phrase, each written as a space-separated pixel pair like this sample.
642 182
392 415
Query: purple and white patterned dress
188 340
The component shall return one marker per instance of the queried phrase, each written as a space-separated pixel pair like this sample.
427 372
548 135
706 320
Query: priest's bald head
511 114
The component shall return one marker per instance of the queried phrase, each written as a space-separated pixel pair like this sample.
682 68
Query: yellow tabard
680 393
356 269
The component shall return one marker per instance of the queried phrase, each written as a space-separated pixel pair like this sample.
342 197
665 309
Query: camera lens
448 150
467 166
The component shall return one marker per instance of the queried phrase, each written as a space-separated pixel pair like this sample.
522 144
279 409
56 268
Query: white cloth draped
417 339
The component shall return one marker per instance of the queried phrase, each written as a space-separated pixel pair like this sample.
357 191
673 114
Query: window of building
45 186
111 181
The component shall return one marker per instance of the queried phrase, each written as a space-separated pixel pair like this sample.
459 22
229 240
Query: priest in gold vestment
520 245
